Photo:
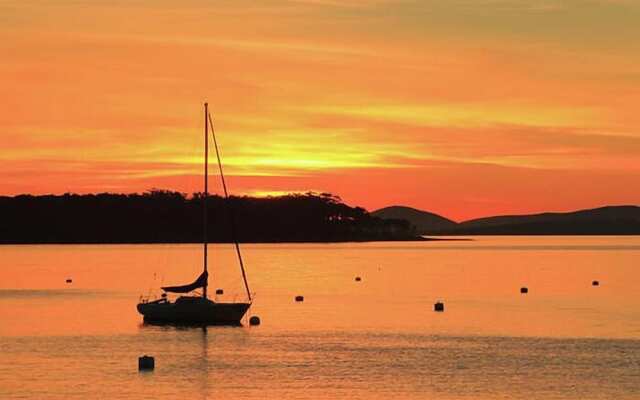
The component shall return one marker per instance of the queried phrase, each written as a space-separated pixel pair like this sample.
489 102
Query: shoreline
419 239
429 238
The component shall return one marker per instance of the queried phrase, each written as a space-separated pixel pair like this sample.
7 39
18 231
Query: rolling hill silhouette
423 221
608 220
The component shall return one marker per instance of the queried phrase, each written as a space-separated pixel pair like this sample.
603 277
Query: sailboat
199 309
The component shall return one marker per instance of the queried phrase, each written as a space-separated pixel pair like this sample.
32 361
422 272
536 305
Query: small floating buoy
358 279
254 321
219 291
595 283
524 290
438 307
69 280
299 298
146 363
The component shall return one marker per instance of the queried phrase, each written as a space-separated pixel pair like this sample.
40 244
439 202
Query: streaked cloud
326 95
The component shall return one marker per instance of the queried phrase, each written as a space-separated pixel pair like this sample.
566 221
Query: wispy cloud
369 99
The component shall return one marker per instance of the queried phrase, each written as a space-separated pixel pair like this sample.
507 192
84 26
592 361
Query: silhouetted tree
167 216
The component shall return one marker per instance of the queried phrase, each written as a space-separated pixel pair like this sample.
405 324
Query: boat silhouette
198 309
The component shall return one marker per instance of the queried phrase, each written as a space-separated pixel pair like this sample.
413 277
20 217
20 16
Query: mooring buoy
254 320
524 290
69 280
219 291
146 363
299 298
595 283
358 279
438 307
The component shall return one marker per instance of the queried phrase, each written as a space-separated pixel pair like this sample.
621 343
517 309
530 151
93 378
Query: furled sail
198 283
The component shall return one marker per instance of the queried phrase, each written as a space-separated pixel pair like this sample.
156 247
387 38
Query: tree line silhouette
162 216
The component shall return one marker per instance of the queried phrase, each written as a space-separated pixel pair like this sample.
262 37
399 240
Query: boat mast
206 191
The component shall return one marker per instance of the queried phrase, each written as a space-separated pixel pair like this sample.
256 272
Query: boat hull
193 311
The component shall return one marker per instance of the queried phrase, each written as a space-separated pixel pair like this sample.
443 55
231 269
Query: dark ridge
161 216
609 220
425 222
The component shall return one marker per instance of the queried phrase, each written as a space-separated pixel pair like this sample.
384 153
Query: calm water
378 338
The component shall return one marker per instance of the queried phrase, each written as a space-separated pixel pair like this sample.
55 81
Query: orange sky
465 108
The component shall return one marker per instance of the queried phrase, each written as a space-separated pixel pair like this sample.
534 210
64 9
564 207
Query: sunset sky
466 108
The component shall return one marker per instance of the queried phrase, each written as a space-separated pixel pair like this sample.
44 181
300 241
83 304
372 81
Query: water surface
376 338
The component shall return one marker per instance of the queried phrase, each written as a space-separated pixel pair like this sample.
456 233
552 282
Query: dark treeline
162 216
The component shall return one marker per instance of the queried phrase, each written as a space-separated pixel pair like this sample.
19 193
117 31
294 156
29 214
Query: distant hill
423 221
610 220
